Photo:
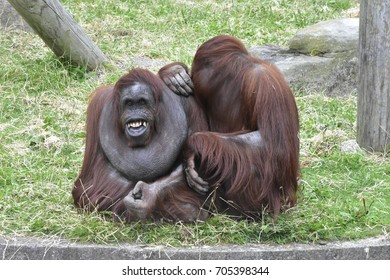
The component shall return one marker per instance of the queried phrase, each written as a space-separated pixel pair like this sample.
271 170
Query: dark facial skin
150 139
138 111
135 133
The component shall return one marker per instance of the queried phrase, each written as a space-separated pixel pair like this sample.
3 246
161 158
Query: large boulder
322 57
331 36
10 19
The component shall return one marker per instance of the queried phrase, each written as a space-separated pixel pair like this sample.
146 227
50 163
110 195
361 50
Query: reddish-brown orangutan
237 137
132 161
248 161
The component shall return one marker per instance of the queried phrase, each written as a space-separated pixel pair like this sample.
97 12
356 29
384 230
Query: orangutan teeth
136 124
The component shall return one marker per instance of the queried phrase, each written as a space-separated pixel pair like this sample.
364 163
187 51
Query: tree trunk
60 32
373 119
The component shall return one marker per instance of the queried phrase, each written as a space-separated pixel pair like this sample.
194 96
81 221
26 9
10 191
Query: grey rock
334 68
331 36
350 146
271 53
334 75
10 19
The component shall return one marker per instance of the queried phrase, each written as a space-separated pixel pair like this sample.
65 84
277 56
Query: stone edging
22 248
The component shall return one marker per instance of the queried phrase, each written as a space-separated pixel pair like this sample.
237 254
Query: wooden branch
60 32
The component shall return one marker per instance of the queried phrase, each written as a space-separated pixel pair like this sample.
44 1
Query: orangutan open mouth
136 127
136 124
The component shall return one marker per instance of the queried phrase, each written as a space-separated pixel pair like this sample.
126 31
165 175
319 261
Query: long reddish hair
244 93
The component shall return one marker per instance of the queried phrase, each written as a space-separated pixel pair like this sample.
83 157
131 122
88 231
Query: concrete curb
22 248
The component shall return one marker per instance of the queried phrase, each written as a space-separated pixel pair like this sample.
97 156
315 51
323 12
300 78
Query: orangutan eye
142 102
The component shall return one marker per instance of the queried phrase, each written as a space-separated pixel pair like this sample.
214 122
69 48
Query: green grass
42 115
